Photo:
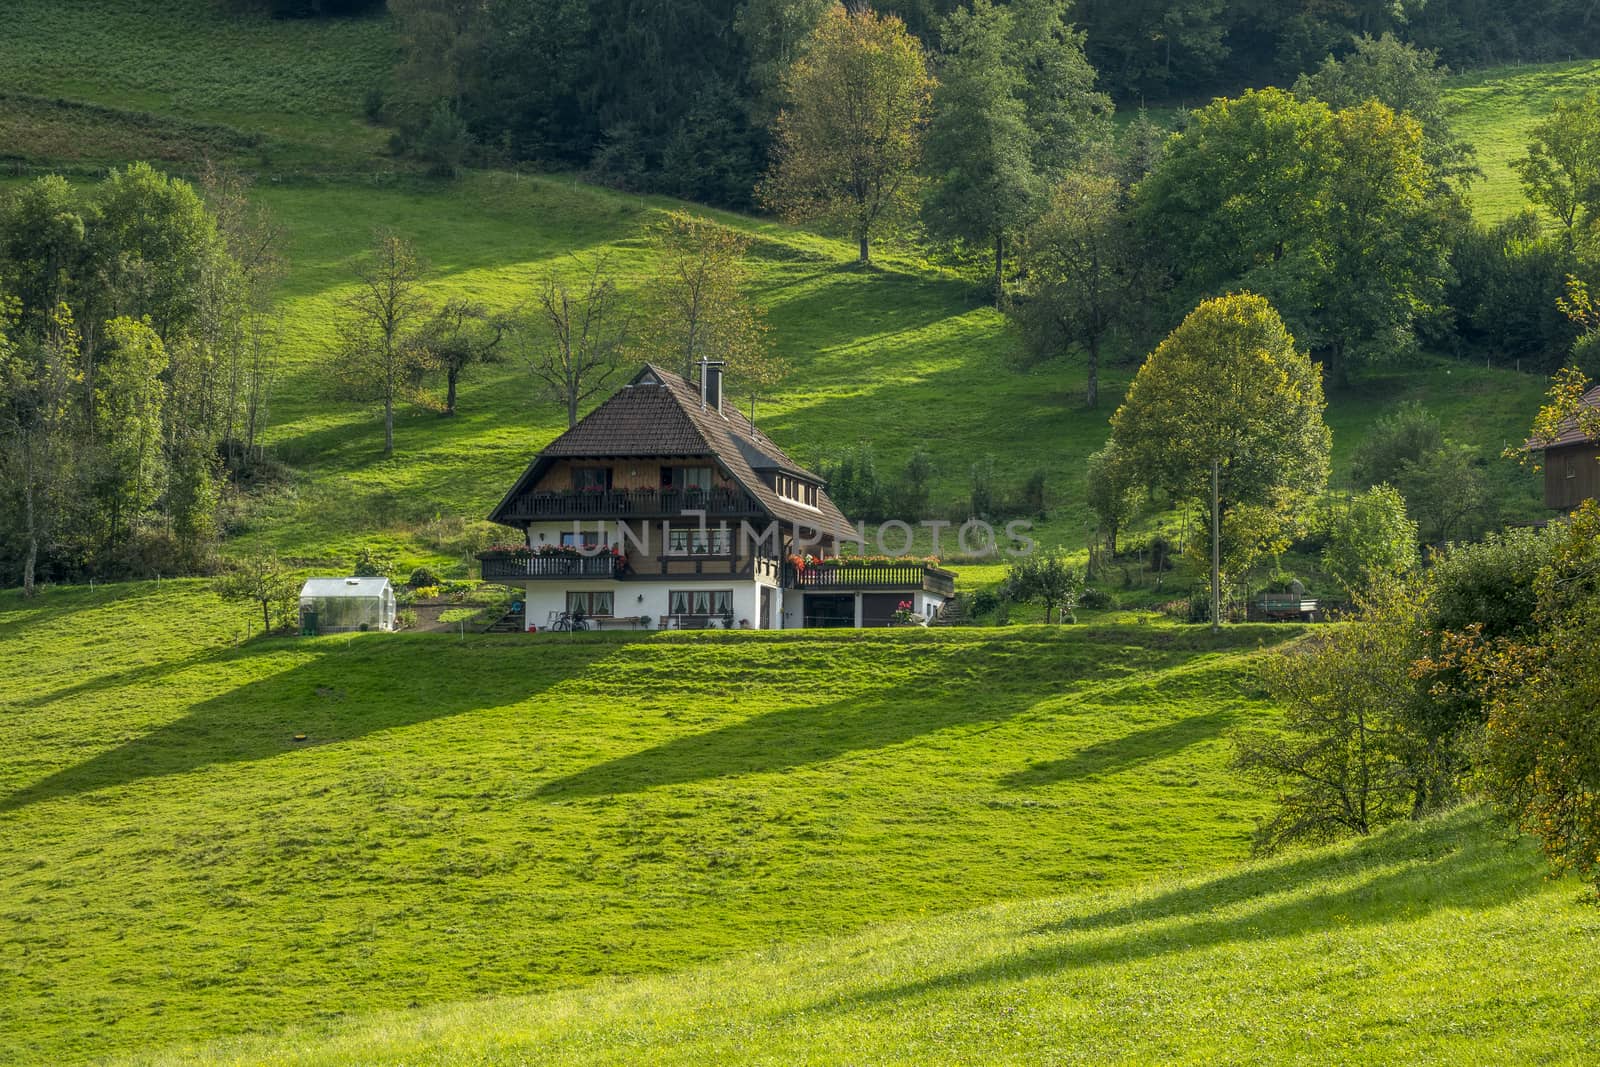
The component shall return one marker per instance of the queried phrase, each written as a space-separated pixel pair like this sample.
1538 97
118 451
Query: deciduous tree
262 580
1085 273
696 302
1230 387
1371 542
1561 172
849 137
386 304
575 338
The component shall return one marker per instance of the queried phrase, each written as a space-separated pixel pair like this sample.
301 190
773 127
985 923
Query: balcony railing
893 575
639 503
502 566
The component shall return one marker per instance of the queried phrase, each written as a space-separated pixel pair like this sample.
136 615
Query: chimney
711 384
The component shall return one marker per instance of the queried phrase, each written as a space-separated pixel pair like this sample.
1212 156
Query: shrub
444 142
1097 600
405 619
421 577
984 601
372 563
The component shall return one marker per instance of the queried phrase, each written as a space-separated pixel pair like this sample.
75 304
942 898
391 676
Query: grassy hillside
1496 108
1434 943
505 815
903 356
175 81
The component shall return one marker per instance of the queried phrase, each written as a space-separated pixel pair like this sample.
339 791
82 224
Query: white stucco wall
639 598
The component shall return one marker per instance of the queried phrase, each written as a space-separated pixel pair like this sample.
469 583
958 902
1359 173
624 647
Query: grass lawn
507 815
1436 943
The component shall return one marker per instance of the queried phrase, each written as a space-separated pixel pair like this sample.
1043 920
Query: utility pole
1216 547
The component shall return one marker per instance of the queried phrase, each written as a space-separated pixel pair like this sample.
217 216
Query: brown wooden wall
1571 476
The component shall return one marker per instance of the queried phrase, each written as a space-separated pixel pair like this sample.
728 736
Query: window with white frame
701 601
685 541
582 539
590 604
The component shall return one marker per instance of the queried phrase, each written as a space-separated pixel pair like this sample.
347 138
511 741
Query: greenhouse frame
345 605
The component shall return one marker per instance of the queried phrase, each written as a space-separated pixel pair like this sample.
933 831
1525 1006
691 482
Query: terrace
852 575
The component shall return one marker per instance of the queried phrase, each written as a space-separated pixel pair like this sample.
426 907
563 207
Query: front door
825 611
764 617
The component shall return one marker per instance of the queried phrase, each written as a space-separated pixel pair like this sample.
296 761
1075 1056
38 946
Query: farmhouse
666 507
1572 462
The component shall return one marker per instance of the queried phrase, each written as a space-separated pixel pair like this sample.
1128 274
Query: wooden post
1216 548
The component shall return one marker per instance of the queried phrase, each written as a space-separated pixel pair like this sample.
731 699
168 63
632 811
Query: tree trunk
999 270
266 617
1216 547
572 408
31 559
388 425
1091 395
450 376
866 250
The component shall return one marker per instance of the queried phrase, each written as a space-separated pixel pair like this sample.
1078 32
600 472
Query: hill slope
503 815
1433 943
905 356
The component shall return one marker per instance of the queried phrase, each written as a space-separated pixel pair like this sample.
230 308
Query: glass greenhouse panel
346 605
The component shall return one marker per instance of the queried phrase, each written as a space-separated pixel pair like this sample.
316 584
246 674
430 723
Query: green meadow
501 815
954 846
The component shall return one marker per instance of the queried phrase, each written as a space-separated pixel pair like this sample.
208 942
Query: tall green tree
1371 542
1404 78
39 383
1085 272
1230 387
980 147
849 137
128 428
1327 213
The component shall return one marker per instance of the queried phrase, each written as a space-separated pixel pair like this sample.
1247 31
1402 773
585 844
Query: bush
1407 435
1097 600
984 601
372 563
405 619
444 142
422 577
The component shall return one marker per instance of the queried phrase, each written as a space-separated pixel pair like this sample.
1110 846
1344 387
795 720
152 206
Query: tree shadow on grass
1121 753
349 689
1454 862
930 700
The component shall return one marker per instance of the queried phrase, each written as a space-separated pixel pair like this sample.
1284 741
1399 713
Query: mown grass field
502 815
1429 944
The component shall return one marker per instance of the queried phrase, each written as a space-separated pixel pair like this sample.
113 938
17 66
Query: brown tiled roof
1569 433
668 419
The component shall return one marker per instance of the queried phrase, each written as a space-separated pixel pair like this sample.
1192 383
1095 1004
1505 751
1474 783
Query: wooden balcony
504 566
849 577
630 503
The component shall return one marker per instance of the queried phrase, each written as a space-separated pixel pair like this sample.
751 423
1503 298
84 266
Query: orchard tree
1084 273
1227 400
696 304
385 306
262 580
1561 172
1043 578
461 335
575 338
849 137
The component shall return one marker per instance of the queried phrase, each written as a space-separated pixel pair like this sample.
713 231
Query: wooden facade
1571 475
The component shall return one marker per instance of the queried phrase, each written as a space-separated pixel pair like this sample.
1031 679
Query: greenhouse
345 605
